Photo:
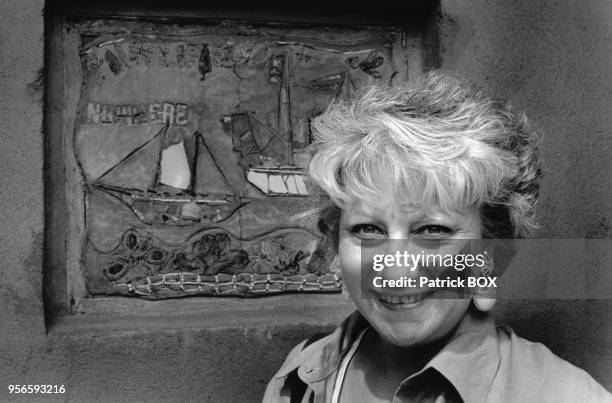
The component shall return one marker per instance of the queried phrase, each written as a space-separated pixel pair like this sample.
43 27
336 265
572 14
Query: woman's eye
368 231
434 230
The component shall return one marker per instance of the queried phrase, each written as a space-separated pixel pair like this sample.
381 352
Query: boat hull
176 210
278 181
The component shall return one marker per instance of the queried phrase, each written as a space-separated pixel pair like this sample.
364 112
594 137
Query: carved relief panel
190 149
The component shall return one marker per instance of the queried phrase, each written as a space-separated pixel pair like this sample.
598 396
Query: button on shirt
480 363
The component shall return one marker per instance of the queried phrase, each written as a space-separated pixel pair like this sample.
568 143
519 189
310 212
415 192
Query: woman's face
402 316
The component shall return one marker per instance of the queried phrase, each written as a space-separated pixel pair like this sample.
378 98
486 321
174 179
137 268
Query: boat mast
284 112
194 162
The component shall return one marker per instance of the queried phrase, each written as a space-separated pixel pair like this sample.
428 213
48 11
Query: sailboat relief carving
269 155
176 191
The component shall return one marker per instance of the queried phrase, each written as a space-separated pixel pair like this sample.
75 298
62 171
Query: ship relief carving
173 193
192 146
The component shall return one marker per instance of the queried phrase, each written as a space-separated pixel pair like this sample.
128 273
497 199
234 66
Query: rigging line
266 145
162 131
271 130
203 142
251 132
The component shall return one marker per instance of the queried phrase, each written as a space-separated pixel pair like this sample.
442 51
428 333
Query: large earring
484 300
484 304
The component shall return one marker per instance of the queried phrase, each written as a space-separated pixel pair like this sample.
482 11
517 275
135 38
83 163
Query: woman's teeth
405 300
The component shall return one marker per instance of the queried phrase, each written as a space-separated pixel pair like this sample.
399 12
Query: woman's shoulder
314 359
291 381
529 371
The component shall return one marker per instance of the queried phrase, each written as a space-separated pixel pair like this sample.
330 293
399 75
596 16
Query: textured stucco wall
550 58
215 365
21 184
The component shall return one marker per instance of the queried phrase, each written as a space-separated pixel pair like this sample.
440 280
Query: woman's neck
399 361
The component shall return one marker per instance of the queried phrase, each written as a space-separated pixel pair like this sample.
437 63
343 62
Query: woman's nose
405 258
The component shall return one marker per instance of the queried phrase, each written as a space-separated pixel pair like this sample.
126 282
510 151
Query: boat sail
178 192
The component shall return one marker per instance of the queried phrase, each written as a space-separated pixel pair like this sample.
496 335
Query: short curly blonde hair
438 142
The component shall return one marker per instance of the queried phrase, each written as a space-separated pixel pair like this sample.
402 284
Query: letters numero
30 389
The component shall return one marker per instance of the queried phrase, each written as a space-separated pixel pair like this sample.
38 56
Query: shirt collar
469 360
319 359
471 357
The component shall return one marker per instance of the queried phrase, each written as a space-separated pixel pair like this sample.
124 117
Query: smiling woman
404 317
437 163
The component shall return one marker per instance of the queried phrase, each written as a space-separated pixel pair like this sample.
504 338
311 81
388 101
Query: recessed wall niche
184 148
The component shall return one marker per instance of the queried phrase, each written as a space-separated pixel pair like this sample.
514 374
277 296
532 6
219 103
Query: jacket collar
322 357
469 360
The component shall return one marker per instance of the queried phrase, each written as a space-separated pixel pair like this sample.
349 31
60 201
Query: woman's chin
406 334
413 320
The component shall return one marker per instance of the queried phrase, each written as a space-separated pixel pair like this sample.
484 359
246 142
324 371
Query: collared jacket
480 363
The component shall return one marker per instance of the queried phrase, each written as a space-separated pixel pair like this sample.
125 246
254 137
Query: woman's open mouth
395 302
